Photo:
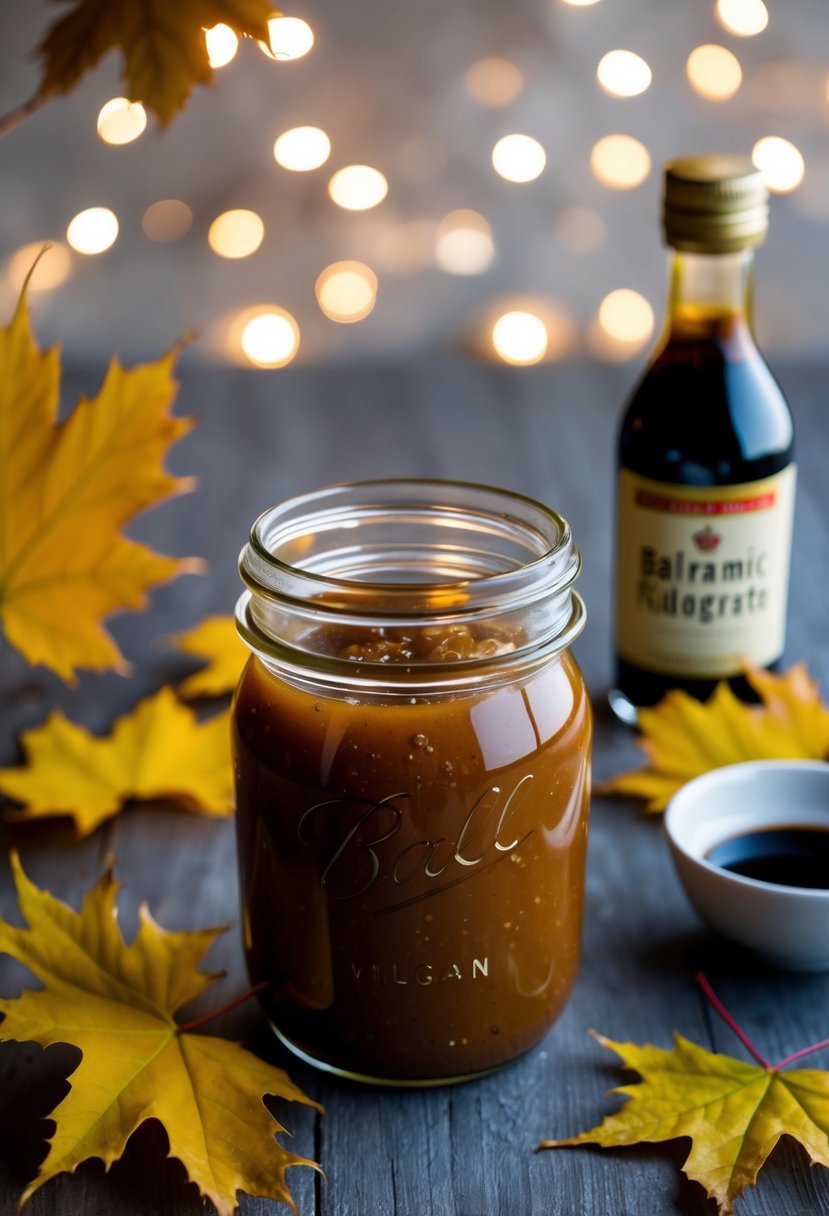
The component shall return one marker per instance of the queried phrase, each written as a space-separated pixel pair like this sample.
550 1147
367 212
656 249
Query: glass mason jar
412 745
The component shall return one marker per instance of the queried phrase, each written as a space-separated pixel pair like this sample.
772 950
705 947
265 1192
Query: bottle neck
711 295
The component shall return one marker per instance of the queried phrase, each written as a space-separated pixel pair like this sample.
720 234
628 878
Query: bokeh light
120 121
520 338
167 220
714 72
222 45
580 3
463 243
623 74
347 291
780 162
269 338
579 229
742 17
626 316
523 329
93 231
302 149
358 187
620 161
236 234
52 269
493 81
288 38
518 158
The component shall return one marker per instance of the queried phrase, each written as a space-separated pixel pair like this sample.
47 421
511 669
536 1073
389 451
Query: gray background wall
386 80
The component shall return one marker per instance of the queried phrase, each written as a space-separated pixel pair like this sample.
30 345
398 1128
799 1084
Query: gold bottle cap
714 204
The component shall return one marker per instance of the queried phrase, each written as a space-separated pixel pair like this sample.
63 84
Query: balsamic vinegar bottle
706 479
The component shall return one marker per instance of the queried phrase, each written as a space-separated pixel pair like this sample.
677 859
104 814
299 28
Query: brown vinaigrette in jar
412 869
412 747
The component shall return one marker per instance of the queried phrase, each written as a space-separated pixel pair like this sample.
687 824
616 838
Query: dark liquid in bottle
792 856
708 412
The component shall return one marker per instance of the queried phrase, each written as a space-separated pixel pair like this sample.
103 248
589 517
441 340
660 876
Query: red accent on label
681 506
707 539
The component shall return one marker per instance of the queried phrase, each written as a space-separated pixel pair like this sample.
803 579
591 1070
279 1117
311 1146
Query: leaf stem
14 117
804 1051
208 1017
717 1004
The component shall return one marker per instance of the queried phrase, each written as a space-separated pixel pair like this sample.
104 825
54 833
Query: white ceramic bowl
787 926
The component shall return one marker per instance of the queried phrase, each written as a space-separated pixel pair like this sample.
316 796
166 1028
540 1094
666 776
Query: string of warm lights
517 331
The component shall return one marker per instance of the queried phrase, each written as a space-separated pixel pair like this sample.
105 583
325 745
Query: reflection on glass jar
412 742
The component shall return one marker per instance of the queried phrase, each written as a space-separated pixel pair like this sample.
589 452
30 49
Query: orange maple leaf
159 751
683 737
117 1004
163 45
66 490
216 640
733 1112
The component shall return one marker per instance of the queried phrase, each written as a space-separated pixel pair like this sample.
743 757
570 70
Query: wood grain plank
468 1150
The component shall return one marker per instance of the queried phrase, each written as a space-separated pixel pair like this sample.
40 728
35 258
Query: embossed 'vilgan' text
422 974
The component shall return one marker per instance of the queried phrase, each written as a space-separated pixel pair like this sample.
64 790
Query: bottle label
702 574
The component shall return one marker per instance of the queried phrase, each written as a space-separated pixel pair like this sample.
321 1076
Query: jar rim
449 553
265 572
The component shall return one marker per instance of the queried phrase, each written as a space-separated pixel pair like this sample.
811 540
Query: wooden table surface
465 1150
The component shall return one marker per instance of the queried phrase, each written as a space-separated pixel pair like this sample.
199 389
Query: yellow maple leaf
215 639
733 1112
66 490
163 45
683 737
157 751
116 1003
